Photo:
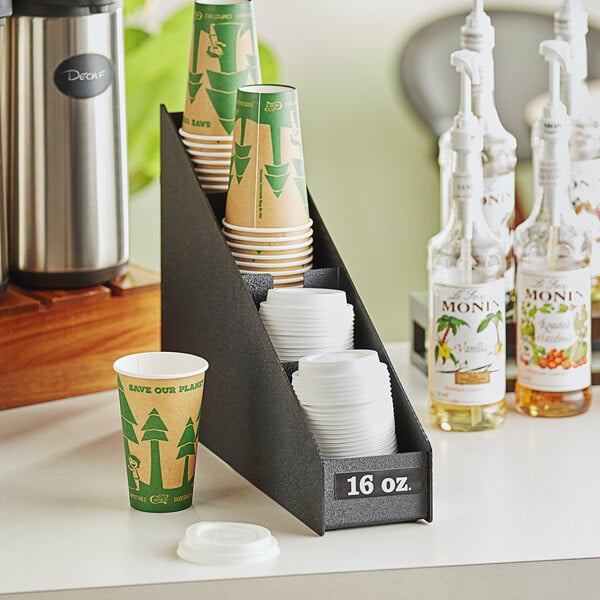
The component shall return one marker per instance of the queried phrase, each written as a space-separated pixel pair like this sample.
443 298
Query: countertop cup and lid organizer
251 417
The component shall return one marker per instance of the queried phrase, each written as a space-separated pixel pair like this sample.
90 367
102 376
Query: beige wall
370 166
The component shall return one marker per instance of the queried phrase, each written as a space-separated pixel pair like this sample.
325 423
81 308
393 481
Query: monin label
84 75
553 330
468 344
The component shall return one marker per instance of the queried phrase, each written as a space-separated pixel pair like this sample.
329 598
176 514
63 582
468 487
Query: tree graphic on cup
154 431
187 448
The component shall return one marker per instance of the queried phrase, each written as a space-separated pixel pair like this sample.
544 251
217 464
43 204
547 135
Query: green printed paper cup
160 396
223 57
268 185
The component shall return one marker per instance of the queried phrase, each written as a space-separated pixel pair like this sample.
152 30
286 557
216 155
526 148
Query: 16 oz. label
584 193
371 484
554 330
468 362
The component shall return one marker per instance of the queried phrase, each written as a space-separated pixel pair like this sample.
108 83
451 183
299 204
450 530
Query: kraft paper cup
197 150
277 273
217 140
266 251
274 267
210 171
196 146
285 281
217 162
160 396
201 154
274 235
212 180
306 255
223 57
213 189
268 186
267 231
273 239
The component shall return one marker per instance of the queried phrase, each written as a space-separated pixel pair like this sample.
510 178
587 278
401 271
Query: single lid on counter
62 8
227 543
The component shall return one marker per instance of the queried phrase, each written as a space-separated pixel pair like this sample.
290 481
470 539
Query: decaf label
584 193
553 330
468 339
84 75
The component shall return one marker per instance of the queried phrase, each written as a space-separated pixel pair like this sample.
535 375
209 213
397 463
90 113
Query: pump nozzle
558 54
477 33
466 132
571 25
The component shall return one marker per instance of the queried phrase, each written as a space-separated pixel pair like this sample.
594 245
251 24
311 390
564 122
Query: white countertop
529 491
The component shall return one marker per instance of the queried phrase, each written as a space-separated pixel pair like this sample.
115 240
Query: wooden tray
60 343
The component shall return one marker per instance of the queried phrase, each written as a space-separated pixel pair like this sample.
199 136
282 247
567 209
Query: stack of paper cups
223 56
267 225
285 253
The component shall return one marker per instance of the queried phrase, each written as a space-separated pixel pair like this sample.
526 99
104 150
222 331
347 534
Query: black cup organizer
250 416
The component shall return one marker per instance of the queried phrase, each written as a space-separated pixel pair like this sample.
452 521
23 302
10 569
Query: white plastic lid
306 298
227 543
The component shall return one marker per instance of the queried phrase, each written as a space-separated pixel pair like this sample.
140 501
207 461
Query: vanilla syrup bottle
553 322
466 264
499 146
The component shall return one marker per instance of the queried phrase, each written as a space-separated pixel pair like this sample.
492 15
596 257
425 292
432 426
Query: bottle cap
221 542
466 134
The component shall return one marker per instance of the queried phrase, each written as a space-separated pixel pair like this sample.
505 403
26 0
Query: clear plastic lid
227 543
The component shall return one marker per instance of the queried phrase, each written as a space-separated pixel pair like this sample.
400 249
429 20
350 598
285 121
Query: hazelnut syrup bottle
553 251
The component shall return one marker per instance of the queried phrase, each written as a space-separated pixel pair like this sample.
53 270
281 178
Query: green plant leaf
134 37
442 322
268 64
485 322
130 7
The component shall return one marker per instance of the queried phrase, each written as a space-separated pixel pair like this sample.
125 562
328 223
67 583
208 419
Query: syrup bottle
553 323
499 146
466 264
